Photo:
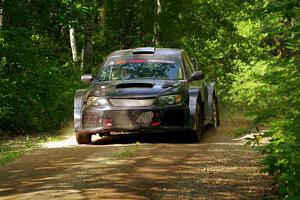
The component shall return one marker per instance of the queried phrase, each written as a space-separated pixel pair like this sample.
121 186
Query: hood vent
134 85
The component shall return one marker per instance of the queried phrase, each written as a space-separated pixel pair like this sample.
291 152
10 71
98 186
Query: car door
189 69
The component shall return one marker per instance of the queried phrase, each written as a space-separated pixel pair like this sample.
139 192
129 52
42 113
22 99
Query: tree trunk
1 18
88 47
100 15
73 44
156 27
97 17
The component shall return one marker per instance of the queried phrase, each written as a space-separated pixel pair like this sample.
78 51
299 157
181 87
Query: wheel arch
79 99
211 93
195 96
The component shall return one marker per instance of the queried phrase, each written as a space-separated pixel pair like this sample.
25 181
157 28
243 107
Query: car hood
135 88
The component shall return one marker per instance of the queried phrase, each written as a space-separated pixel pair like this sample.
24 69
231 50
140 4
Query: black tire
83 138
215 122
104 134
197 134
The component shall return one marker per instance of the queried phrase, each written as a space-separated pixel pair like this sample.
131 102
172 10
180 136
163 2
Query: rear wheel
83 138
198 121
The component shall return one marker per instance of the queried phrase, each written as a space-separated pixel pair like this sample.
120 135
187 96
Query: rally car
145 90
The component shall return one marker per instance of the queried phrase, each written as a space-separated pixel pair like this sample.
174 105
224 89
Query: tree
156 27
1 18
267 85
36 80
73 44
93 19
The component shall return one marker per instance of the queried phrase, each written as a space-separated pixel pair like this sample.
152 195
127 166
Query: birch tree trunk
1 18
73 44
156 27
100 14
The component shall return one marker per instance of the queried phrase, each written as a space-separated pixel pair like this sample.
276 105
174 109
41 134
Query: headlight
97 101
169 99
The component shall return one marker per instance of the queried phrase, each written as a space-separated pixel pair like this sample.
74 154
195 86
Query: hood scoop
134 85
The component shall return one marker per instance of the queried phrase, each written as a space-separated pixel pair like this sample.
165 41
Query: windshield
131 68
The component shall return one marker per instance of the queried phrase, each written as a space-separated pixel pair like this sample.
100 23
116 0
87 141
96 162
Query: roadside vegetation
13 147
250 48
129 151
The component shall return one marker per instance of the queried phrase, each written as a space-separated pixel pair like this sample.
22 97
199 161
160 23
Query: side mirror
87 78
197 75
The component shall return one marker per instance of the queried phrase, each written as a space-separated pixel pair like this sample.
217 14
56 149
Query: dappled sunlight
164 171
48 194
68 142
221 135
255 136
160 166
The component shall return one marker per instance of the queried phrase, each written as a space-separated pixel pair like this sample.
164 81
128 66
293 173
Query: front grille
130 119
91 120
132 102
120 119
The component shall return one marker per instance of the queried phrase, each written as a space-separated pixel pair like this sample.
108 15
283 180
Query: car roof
145 50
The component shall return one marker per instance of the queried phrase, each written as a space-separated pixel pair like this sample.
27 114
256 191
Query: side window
184 65
186 72
191 64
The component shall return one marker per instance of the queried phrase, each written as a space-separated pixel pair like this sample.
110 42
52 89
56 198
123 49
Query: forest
250 48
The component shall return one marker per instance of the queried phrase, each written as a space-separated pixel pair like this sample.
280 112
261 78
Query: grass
13 147
249 148
10 149
10 155
129 151
239 131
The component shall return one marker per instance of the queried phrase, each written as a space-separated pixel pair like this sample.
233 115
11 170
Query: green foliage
13 147
268 86
36 80
9 156
36 92
132 26
250 48
129 151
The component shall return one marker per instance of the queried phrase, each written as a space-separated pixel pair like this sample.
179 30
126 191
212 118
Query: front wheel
197 134
83 138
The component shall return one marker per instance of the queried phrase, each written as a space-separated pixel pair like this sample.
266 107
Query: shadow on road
159 137
213 169
222 134
209 136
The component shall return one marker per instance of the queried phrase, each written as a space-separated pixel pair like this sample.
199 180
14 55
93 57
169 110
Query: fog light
107 122
155 123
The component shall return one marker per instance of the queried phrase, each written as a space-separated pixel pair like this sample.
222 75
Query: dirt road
160 166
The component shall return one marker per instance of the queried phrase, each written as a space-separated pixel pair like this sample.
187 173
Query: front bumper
160 118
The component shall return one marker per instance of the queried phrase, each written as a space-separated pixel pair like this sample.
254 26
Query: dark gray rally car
145 90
